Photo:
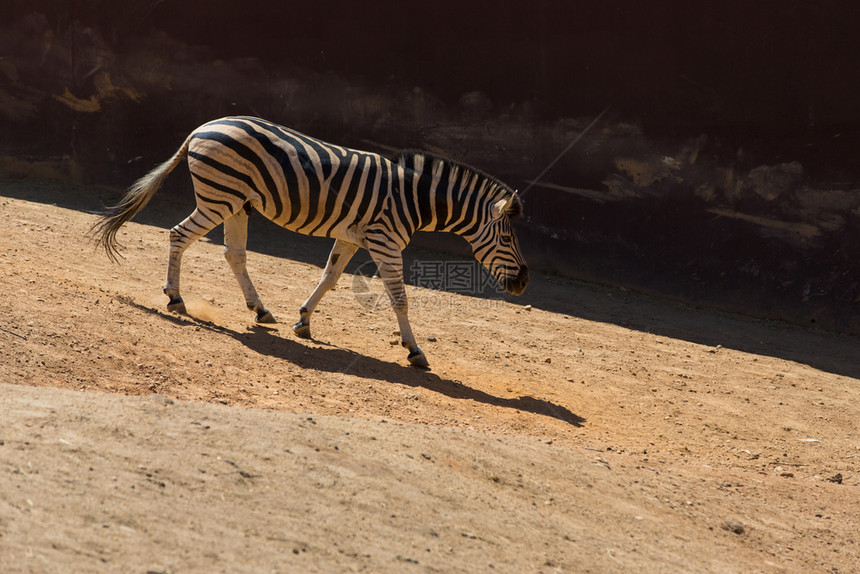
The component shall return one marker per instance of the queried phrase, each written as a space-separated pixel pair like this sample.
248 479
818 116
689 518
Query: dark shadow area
335 359
831 352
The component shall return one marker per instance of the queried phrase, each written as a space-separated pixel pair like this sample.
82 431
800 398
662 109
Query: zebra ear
499 208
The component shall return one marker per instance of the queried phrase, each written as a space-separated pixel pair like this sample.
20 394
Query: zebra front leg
190 230
340 255
235 243
390 264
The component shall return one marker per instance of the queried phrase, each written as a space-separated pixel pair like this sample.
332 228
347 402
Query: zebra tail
104 231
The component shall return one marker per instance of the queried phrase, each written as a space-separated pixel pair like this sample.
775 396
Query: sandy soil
595 431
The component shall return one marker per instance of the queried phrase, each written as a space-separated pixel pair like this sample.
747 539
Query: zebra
358 198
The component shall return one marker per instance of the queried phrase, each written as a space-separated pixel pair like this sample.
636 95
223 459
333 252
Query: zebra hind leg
190 230
235 243
340 255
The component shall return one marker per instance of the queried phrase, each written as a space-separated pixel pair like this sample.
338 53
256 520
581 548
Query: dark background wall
725 172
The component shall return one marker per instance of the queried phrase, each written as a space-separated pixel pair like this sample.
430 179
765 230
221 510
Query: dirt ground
577 428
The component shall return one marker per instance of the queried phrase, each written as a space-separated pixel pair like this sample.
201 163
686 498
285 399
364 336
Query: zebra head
495 245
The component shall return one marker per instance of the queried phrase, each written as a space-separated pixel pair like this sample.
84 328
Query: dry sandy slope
599 431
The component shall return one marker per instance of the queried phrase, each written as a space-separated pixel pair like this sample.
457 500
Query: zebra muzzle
516 285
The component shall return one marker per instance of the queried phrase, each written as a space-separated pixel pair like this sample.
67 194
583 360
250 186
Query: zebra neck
440 195
448 210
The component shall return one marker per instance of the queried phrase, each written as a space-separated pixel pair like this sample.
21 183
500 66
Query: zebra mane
493 187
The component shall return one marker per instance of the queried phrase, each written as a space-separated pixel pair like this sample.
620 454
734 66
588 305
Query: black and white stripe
360 199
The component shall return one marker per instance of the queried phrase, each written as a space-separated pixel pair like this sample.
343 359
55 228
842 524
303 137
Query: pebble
528 307
161 399
431 338
733 527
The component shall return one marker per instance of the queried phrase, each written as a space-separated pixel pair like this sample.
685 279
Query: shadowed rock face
725 174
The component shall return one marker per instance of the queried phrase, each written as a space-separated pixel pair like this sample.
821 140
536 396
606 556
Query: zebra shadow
334 359
331 358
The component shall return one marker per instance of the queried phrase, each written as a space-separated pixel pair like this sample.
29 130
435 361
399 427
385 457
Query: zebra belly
349 232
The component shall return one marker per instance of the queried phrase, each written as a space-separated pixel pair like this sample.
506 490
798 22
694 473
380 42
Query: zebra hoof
177 306
417 359
302 330
265 317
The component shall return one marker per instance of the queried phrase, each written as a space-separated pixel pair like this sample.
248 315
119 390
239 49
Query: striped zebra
360 199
